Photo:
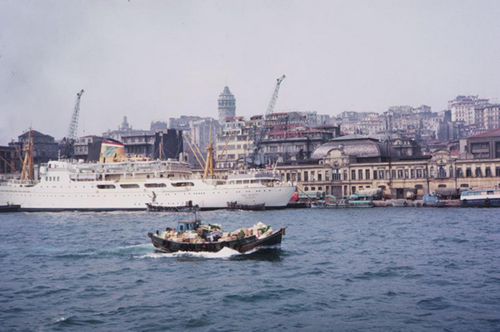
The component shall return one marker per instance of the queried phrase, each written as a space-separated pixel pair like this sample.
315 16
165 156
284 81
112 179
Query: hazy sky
151 60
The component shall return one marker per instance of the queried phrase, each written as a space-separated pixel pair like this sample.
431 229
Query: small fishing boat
193 236
480 198
10 208
433 200
188 207
352 201
246 207
399 203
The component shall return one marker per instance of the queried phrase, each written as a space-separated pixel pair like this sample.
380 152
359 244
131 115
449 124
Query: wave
225 253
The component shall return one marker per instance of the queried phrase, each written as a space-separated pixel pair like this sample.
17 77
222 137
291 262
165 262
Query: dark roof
489 133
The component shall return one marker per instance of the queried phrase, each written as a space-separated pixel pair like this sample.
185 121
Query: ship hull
79 197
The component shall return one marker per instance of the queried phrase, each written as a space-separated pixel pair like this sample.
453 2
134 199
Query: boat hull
242 245
492 202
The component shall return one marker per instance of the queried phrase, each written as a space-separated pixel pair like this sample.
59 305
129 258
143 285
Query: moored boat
352 201
480 198
10 207
246 207
433 200
188 207
193 236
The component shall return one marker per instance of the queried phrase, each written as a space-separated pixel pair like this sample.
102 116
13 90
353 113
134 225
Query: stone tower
227 105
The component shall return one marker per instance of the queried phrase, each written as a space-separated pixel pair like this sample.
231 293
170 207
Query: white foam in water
62 319
225 253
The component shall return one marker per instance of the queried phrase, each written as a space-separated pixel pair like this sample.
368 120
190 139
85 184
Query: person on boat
153 197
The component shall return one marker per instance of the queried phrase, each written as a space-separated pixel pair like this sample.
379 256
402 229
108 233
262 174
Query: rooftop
489 133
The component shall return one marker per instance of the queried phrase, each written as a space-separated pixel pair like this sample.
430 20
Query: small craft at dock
246 207
193 236
352 201
10 207
188 207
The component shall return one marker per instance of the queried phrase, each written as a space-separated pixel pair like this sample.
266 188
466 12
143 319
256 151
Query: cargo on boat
193 236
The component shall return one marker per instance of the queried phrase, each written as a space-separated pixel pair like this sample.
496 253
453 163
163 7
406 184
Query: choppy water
346 270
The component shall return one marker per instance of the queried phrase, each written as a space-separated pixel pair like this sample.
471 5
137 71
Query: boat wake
225 253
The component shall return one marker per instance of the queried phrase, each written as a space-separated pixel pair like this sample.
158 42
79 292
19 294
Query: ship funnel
112 151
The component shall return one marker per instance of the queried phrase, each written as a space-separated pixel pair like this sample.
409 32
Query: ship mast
28 167
209 164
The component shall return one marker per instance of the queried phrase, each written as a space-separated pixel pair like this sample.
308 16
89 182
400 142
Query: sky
152 60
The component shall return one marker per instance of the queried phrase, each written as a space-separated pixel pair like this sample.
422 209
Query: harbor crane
73 127
66 146
256 158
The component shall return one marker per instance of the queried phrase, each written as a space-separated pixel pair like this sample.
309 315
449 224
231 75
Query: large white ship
129 185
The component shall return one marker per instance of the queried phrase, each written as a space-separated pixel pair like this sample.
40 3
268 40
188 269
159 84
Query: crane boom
255 160
73 127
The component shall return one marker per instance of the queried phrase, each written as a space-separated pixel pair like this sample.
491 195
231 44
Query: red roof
489 133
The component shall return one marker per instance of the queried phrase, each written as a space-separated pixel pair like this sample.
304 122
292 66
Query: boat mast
28 169
209 165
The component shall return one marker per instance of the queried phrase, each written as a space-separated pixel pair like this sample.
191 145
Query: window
306 176
320 176
441 172
400 173
345 175
327 176
432 171
375 175
387 174
287 176
367 174
161 185
468 172
360 174
393 173
353 174
381 174
497 171
353 190
105 186
406 174
487 171
459 172
412 173
451 171
442 186
299 177
419 173
129 186
335 174
479 173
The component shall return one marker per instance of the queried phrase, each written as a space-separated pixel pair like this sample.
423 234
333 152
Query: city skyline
152 61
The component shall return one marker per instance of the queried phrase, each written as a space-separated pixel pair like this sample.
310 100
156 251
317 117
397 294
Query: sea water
380 269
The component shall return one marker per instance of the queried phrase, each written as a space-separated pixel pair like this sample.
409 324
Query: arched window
451 171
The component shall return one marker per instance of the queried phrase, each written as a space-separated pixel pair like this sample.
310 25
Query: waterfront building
81 146
159 145
45 147
348 164
10 162
226 105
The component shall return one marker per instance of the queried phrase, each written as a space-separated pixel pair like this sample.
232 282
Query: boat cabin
188 225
